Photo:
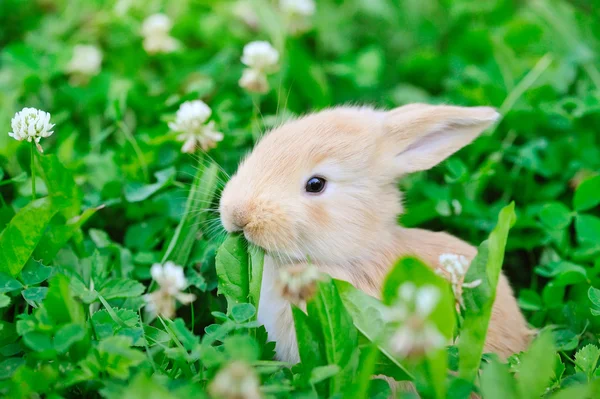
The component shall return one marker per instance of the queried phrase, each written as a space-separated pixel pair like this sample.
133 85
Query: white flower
254 81
31 124
454 264
244 10
416 334
298 283
156 24
304 8
297 14
190 122
454 268
86 60
171 281
122 7
260 56
237 380
160 44
169 277
156 29
409 341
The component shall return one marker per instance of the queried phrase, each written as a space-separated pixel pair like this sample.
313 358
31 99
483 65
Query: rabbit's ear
420 136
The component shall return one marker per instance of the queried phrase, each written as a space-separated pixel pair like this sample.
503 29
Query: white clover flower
190 122
156 24
160 44
304 8
169 277
297 14
254 81
409 341
31 124
454 268
260 56
298 283
237 380
171 281
86 60
244 10
416 335
155 30
122 7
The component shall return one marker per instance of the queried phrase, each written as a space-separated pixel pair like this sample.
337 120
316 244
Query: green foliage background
117 183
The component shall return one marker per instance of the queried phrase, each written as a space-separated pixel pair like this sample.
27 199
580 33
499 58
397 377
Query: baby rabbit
324 188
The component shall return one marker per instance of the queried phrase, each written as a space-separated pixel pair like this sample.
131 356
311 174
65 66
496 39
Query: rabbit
323 189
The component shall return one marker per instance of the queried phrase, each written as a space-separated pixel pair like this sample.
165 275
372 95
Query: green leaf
81 291
588 229
559 369
113 356
586 360
6 214
242 312
202 192
34 295
136 192
4 300
60 183
126 323
594 296
497 381
57 237
60 304
530 300
67 335
232 270
565 273
183 335
242 347
121 288
311 345
587 194
9 284
368 317
20 178
196 279
314 82
142 387
537 367
35 272
21 236
338 331
457 170
322 373
479 300
369 356
9 366
576 392
257 260
556 215
39 341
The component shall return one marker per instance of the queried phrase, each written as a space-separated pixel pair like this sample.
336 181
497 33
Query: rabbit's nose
240 219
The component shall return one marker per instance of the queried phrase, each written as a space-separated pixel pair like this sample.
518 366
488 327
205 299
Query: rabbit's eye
315 185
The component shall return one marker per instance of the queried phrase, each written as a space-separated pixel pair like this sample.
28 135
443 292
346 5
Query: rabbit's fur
350 230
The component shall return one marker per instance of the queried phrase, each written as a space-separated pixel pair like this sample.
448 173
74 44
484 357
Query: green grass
116 195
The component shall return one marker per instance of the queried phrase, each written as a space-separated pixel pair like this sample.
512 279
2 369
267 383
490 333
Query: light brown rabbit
324 188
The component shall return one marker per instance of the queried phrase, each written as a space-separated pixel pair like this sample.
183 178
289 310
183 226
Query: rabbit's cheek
318 216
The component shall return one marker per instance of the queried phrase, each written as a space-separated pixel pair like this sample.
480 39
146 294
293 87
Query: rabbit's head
324 187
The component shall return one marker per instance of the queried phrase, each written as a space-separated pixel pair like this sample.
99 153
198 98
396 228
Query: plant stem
33 169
